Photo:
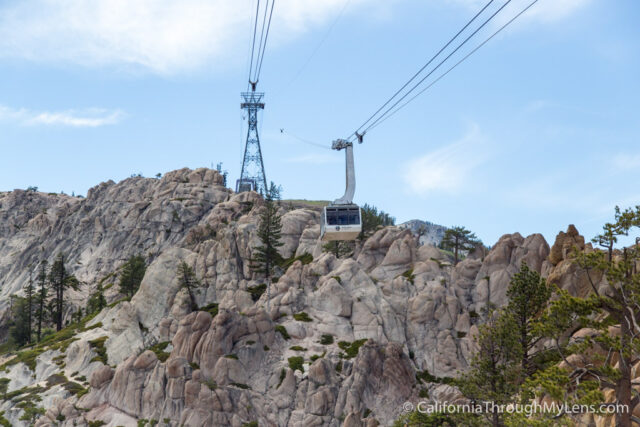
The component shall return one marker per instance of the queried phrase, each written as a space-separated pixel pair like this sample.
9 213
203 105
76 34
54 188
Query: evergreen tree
506 357
338 248
495 370
41 298
96 301
188 280
458 240
60 281
266 255
612 305
528 295
29 301
372 220
132 274
19 330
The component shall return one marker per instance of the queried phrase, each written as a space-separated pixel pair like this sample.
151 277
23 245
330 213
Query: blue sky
537 130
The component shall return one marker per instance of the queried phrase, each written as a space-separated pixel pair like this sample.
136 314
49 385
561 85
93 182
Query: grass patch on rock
302 317
256 291
296 362
97 345
326 339
212 309
283 331
351 348
159 348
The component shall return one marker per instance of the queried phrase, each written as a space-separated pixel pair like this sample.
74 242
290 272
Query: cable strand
253 45
433 70
424 66
456 64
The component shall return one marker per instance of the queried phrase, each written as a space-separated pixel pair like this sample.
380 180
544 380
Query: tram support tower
252 177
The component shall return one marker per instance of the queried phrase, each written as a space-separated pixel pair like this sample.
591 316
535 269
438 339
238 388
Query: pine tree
29 300
96 301
41 298
495 370
528 295
612 305
372 220
266 256
506 357
338 248
188 280
458 240
132 274
19 330
60 281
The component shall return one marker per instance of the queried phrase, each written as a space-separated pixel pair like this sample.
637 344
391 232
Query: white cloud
447 169
162 36
93 117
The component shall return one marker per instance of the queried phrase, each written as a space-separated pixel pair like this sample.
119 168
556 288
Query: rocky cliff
333 342
428 232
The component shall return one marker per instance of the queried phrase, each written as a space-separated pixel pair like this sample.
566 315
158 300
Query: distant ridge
434 232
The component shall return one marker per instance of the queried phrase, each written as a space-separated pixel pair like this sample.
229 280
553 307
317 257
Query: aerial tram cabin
341 222
342 219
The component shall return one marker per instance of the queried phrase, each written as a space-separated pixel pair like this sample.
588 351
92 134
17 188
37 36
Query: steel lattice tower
252 176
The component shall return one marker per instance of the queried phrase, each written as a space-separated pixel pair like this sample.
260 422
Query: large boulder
565 243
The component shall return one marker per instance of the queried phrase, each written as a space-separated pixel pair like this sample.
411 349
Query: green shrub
239 385
296 362
75 388
317 356
425 376
283 374
305 259
231 356
250 424
56 379
297 348
351 349
3 421
339 366
158 349
257 291
302 317
409 275
326 339
212 309
98 346
211 384
282 331
28 357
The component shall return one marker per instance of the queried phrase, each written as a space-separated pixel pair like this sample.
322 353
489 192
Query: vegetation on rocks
282 331
159 348
460 241
296 362
351 348
132 273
